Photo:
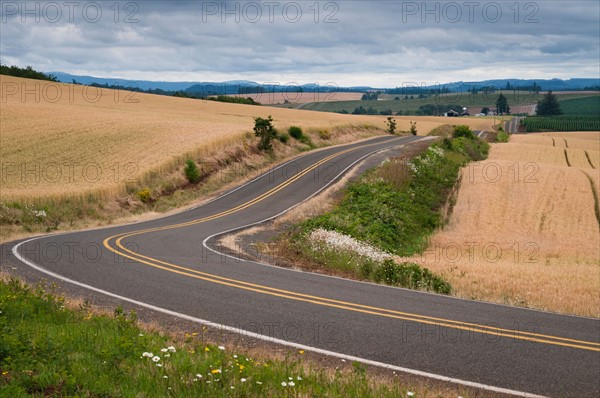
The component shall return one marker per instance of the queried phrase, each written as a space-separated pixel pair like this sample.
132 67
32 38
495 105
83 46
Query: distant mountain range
247 86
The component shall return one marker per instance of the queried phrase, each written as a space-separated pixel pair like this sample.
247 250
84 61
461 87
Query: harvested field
593 158
294 97
580 135
529 238
62 140
540 154
582 143
578 158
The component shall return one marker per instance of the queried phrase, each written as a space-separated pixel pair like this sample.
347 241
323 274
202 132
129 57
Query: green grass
48 350
502 136
586 106
561 123
410 106
395 208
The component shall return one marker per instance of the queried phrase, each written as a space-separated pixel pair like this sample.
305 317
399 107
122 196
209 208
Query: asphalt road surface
171 265
512 126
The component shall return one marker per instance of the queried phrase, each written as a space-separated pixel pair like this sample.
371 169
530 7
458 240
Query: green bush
264 130
191 171
283 138
296 132
410 275
306 141
463 131
502 136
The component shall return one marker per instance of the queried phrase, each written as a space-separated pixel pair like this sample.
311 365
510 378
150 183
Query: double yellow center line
115 244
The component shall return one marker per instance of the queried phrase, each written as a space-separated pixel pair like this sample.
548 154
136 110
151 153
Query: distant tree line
437 109
372 96
417 90
27 73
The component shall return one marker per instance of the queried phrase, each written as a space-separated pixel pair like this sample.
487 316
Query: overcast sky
377 43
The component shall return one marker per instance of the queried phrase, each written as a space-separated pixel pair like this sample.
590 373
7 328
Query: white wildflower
344 242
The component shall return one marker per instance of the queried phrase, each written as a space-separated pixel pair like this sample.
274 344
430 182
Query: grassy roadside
393 210
47 349
166 189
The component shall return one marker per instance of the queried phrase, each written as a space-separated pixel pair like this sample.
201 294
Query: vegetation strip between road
472 327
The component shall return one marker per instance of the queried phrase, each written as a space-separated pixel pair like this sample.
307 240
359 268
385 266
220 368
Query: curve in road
172 265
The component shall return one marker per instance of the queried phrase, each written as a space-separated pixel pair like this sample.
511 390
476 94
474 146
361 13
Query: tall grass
49 350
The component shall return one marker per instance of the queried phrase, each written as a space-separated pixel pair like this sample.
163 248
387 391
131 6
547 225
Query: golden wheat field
294 97
59 140
524 229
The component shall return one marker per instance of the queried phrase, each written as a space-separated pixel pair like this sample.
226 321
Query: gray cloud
381 43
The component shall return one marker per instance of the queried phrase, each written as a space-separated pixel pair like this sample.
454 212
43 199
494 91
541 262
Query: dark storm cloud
350 42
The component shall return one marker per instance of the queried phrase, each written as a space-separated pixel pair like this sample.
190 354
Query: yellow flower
300 352
4 373
215 371
206 349
242 367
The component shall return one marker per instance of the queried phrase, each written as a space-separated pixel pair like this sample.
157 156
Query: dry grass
300 97
578 158
581 135
72 145
593 158
532 243
524 153
60 140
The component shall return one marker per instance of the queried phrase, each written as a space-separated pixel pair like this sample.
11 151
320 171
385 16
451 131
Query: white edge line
379 285
269 170
269 338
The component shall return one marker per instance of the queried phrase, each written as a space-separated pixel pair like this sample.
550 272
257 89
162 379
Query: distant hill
141 84
248 86
552 84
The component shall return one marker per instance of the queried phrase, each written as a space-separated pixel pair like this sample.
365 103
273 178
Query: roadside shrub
191 171
502 136
264 130
144 195
296 132
463 131
410 275
306 141
324 134
391 125
283 138
413 128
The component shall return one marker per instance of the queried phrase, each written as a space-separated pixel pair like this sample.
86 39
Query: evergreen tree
548 105
502 105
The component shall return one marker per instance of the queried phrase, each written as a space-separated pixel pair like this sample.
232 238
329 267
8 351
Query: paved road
512 126
171 265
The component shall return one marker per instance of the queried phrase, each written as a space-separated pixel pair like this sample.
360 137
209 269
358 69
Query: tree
548 105
191 171
502 105
391 125
485 110
263 128
413 128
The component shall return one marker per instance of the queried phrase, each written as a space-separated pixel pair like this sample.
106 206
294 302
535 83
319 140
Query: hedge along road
172 265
